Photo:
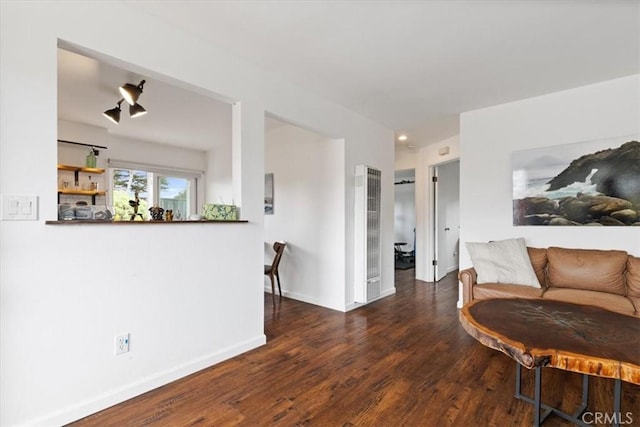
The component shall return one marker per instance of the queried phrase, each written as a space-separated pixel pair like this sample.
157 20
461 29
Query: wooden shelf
75 192
82 192
80 169
103 222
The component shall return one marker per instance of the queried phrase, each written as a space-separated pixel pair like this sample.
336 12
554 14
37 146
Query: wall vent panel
368 259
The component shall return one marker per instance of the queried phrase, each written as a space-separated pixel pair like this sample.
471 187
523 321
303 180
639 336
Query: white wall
489 136
308 214
406 159
121 148
219 179
378 156
192 287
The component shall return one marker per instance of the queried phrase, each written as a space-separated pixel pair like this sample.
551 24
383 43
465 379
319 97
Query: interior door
446 213
450 183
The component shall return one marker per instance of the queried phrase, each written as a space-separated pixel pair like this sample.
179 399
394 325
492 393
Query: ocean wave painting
594 183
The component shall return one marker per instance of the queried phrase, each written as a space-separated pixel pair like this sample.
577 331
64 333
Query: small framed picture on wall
268 194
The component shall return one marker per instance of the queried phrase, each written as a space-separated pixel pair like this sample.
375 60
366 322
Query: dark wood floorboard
401 361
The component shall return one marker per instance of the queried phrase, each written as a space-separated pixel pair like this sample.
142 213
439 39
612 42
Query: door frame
431 224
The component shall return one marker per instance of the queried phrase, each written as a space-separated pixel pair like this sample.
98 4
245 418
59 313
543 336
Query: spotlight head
131 93
113 114
136 110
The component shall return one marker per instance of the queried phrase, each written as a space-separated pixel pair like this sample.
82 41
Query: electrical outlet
122 344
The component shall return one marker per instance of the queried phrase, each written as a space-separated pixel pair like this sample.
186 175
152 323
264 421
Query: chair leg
273 289
279 288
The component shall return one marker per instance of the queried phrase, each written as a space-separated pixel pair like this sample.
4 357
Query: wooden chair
272 270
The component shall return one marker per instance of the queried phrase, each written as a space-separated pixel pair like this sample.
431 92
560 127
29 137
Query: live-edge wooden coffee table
539 333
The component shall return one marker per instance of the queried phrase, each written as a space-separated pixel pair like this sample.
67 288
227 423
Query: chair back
278 247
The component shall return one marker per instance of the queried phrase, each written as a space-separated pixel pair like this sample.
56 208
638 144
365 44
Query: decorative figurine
156 213
135 216
169 215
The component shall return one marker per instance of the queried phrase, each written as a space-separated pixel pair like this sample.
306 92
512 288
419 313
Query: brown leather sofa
606 278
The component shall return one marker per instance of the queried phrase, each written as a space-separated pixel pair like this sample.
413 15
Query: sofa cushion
608 301
504 261
588 269
538 259
503 290
633 277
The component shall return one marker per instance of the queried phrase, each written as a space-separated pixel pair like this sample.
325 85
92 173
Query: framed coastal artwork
594 183
268 194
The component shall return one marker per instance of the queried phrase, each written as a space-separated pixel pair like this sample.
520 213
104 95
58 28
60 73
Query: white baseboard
315 301
384 294
304 298
113 397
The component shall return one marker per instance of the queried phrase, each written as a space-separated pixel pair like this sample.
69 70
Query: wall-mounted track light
114 113
136 110
130 93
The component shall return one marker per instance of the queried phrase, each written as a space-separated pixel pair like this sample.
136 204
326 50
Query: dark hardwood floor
401 361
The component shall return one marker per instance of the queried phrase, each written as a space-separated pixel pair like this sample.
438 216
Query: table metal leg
536 398
585 397
542 411
617 393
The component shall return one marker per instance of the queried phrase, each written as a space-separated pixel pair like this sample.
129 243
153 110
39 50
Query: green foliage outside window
126 182
122 209
130 181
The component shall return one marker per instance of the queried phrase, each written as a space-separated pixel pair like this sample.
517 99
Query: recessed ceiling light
402 137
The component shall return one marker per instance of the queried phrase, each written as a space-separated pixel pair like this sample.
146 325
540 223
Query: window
175 190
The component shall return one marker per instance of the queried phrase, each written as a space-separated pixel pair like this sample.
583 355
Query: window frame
195 178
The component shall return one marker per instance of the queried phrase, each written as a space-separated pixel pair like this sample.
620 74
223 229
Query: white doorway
306 210
405 219
446 218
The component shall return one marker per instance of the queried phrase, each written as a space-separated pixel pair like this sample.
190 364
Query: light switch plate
19 207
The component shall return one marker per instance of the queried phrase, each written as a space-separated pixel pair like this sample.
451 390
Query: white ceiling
413 66
175 116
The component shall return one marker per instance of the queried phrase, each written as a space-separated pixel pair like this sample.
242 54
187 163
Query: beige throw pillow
503 261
